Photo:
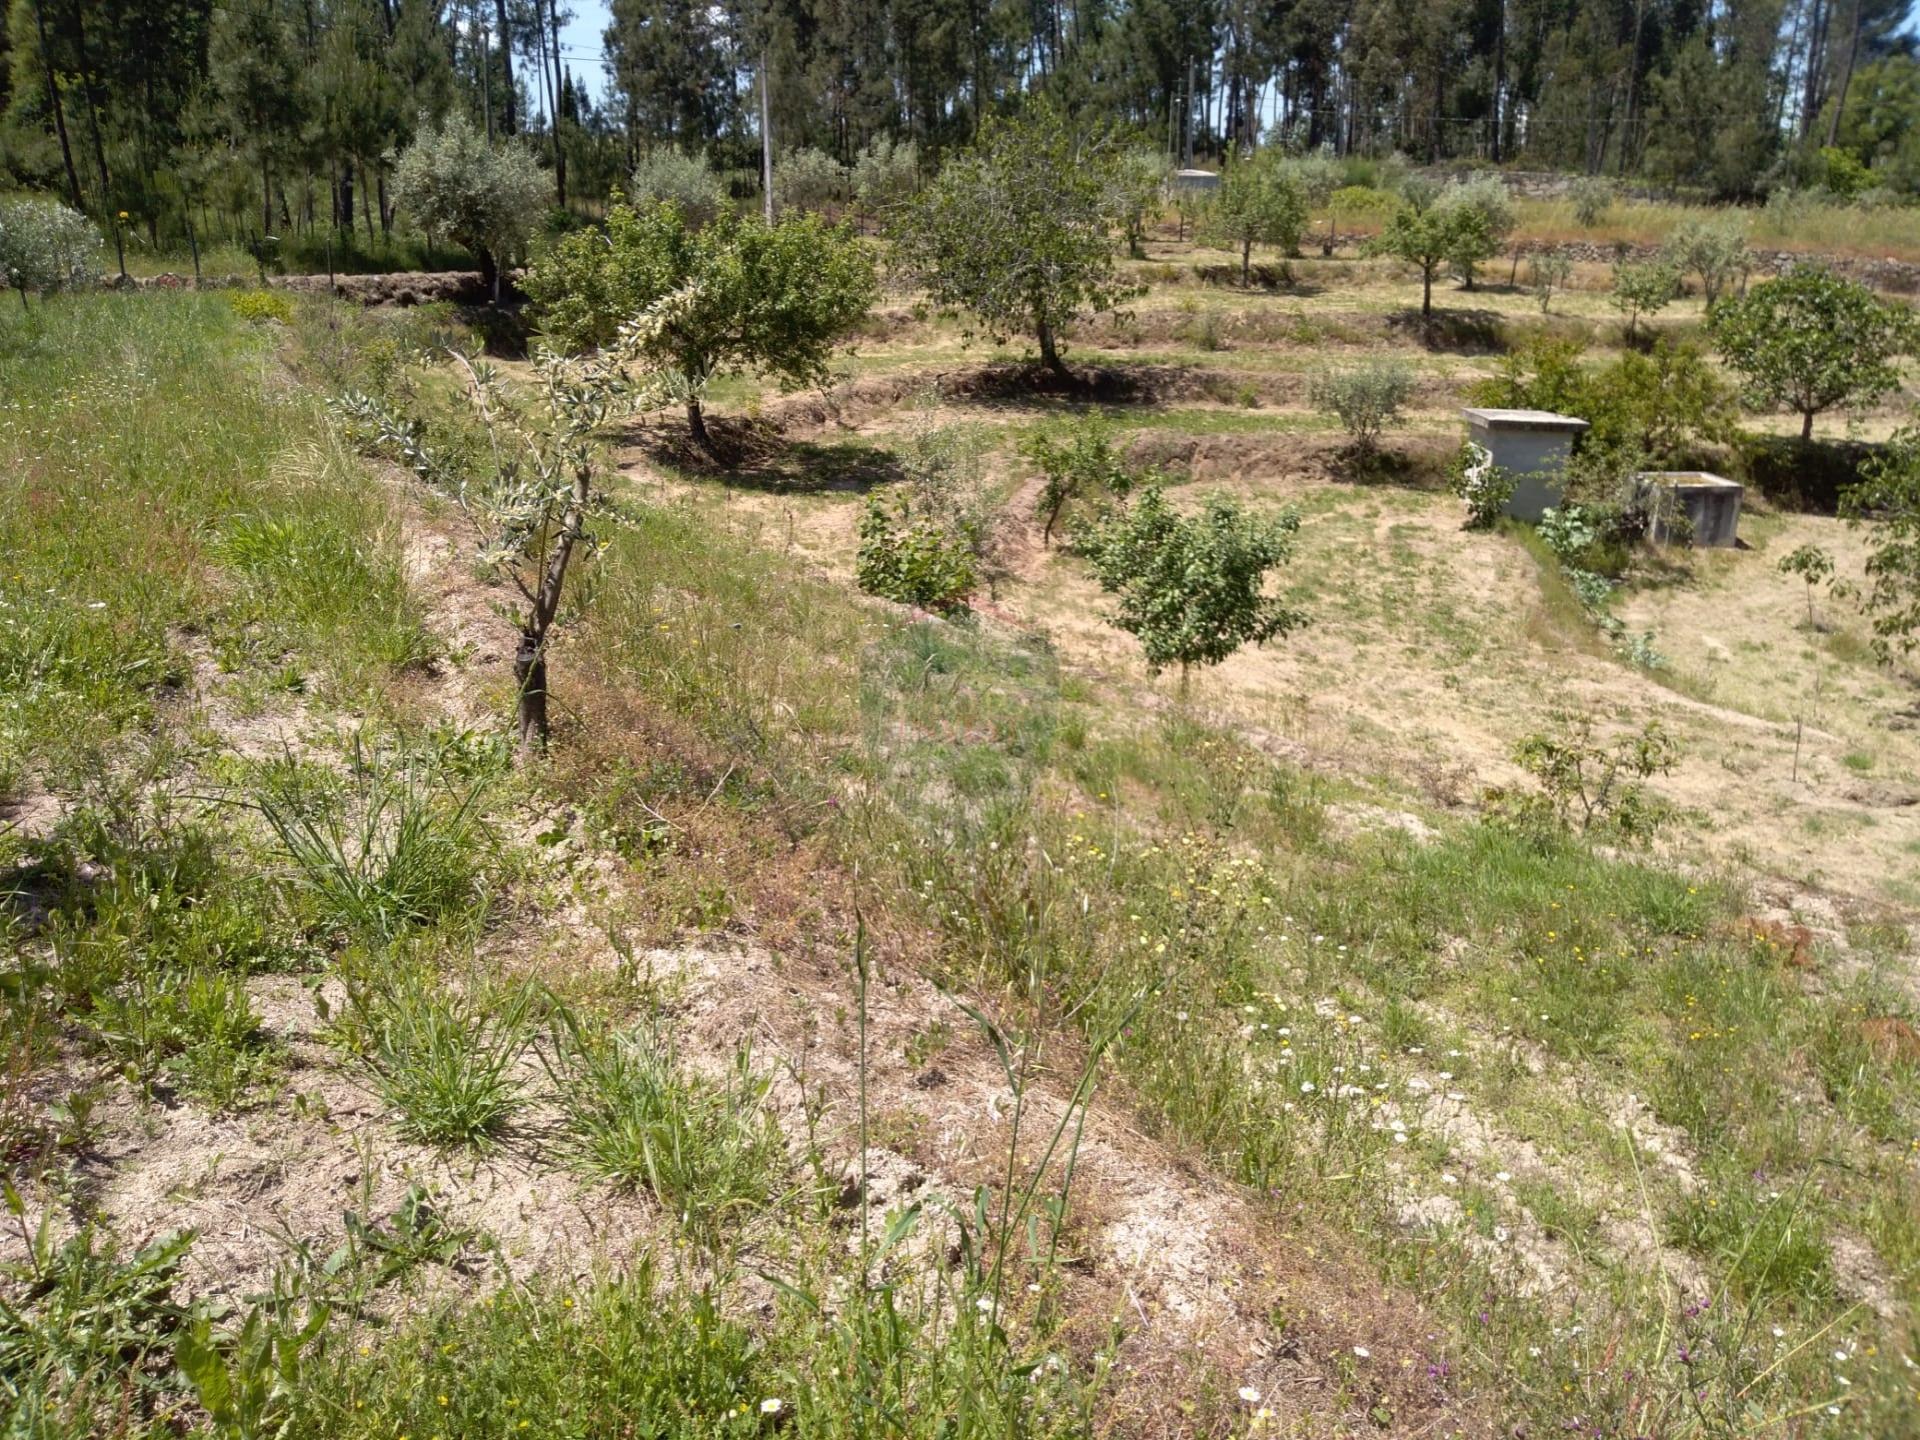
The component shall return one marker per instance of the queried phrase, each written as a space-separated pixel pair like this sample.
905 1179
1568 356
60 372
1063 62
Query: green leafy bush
1642 287
1258 203
1484 486
262 305
1592 198
912 557
1079 463
489 198
1190 587
809 179
1715 250
1586 784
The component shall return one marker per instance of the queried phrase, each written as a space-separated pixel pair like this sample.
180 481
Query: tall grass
166 492
1823 229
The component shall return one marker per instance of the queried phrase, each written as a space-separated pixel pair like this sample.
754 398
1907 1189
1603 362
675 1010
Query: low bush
1364 398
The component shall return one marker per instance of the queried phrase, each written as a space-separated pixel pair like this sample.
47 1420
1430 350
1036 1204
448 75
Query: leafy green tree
1812 340
1258 203
1427 235
733 295
1018 230
1642 287
1364 398
485 197
1189 588
44 246
1813 566
1482 218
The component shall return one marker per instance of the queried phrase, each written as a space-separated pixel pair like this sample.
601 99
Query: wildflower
1778 1333
1306 1087
1249 1394
770 1405
1363 1352
1502 1176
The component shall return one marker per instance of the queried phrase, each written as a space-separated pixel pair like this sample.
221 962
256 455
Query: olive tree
1190 588
1364 398
1139 177
1715 250
533 503
1017 231
671 176
884 174
809 179
486 197
44 246
1259 203
733 295
1548 271
1811 340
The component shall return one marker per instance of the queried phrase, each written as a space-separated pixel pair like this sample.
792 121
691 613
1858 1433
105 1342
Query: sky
582 44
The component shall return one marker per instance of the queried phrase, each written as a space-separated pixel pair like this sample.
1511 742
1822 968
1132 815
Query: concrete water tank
1710 503
1533 446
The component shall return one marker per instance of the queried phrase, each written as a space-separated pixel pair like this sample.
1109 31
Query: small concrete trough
1710 503
1531 445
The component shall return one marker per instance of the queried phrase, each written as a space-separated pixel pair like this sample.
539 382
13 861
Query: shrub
45 247
1079 463
261 305
912 557
1137 177
1813 566
1889 495
489 198
1485 487
1189 588
668 176
1365 398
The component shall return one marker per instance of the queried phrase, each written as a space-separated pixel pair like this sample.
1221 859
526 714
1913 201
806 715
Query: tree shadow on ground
755 455
1464 332
1272 279
1421 466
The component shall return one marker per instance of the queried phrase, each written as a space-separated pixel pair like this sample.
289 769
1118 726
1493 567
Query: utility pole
766 138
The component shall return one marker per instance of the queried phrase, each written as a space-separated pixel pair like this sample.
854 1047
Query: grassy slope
1307 998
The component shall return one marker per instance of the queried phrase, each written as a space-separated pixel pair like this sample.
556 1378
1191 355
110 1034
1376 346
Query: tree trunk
1049 354
99 146
59 113
1846 78
559 86
697 423
1806 425
489 272
530 680
507 124
1426 295
1246 263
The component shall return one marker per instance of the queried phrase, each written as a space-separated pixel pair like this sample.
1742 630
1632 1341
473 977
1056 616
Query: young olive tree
1643 287
531 504
671 176
1548 271
44 246
485 197
1715 250
1258 203
809 179
1139 177
1364 398
884 175
1190 588
773 299
1811 340
1017 231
